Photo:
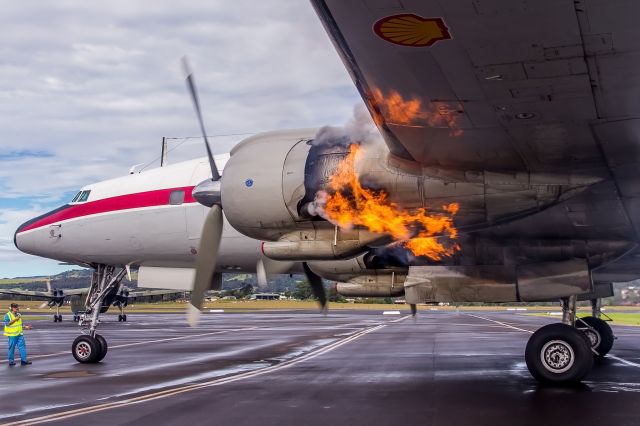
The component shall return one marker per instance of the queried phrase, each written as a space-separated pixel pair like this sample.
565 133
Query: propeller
315 281
206 193
266 267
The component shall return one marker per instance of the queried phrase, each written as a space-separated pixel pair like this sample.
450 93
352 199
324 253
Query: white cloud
98 84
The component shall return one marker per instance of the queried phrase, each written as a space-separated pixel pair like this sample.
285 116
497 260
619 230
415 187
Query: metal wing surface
42 294
501 85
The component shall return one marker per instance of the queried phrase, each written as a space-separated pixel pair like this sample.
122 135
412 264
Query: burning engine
318 196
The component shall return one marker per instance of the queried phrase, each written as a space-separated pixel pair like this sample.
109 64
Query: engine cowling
263 181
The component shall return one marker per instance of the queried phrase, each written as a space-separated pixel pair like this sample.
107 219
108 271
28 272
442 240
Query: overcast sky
88 89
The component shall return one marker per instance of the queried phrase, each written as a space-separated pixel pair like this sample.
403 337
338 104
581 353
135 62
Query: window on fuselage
84 197
176 197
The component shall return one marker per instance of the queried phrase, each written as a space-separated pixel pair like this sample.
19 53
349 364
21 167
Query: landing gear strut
92 347
597 330
57 317
560 353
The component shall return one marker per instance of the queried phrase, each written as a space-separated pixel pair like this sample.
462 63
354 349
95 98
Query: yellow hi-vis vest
14 329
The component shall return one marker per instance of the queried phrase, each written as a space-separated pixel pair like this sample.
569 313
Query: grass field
617 318
621 318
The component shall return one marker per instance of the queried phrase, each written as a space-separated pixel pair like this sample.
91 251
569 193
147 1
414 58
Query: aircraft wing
26 293
42 294
502 85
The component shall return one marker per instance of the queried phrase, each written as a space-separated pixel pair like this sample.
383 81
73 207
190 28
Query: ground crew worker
13 330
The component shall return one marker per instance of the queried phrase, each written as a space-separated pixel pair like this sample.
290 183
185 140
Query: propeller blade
261 274
316 285
266 267
205 262
191 84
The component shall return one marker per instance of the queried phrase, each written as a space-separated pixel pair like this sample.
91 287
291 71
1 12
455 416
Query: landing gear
599 334
86 349
122 318
560 353
103 348
57 317
92 347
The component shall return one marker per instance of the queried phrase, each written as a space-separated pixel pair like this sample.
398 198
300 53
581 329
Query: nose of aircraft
27 234
23 241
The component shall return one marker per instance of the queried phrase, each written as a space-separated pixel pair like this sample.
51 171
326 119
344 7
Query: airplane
56 297
503 169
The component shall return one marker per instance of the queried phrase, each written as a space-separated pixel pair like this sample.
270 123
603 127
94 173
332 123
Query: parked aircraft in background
504 169
55 298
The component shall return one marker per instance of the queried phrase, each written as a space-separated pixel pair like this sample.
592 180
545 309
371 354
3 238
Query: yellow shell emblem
411 30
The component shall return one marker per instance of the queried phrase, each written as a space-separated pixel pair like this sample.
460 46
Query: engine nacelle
535 282
270 183
263 182
369 290
355 278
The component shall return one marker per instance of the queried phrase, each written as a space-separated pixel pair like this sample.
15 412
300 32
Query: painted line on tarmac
624 361
500 323
146 342
197 386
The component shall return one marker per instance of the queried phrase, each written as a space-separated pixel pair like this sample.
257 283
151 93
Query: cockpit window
76 197
83 197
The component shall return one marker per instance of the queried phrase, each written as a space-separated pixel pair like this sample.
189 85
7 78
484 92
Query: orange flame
396 110
348 204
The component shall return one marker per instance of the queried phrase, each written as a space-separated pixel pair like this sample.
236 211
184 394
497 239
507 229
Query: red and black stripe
158 197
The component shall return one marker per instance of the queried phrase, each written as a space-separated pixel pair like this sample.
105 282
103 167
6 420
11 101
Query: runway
349 367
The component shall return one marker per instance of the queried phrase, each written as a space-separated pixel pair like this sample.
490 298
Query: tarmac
304 368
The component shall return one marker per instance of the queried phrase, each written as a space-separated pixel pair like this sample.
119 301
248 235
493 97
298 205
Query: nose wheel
88 349
92 347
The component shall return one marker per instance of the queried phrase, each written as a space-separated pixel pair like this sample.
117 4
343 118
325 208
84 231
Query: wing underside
494 84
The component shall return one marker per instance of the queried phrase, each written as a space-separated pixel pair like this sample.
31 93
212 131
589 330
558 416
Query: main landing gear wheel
86 349
122 318
103 348
559 353
599 333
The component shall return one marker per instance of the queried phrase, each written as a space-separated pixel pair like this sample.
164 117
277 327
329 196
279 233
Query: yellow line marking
197 386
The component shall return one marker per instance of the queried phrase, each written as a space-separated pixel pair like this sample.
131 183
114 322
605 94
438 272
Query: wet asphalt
279 368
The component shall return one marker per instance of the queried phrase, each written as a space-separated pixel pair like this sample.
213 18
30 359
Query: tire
55 318
119 317
85 349
103 348
124 318
600 334
59 318
560 354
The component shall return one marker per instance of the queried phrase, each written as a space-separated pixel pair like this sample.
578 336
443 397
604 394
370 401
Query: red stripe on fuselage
158 197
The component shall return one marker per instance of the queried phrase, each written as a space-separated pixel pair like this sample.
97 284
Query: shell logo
411 30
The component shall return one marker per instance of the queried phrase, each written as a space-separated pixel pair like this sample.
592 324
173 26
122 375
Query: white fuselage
142 219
